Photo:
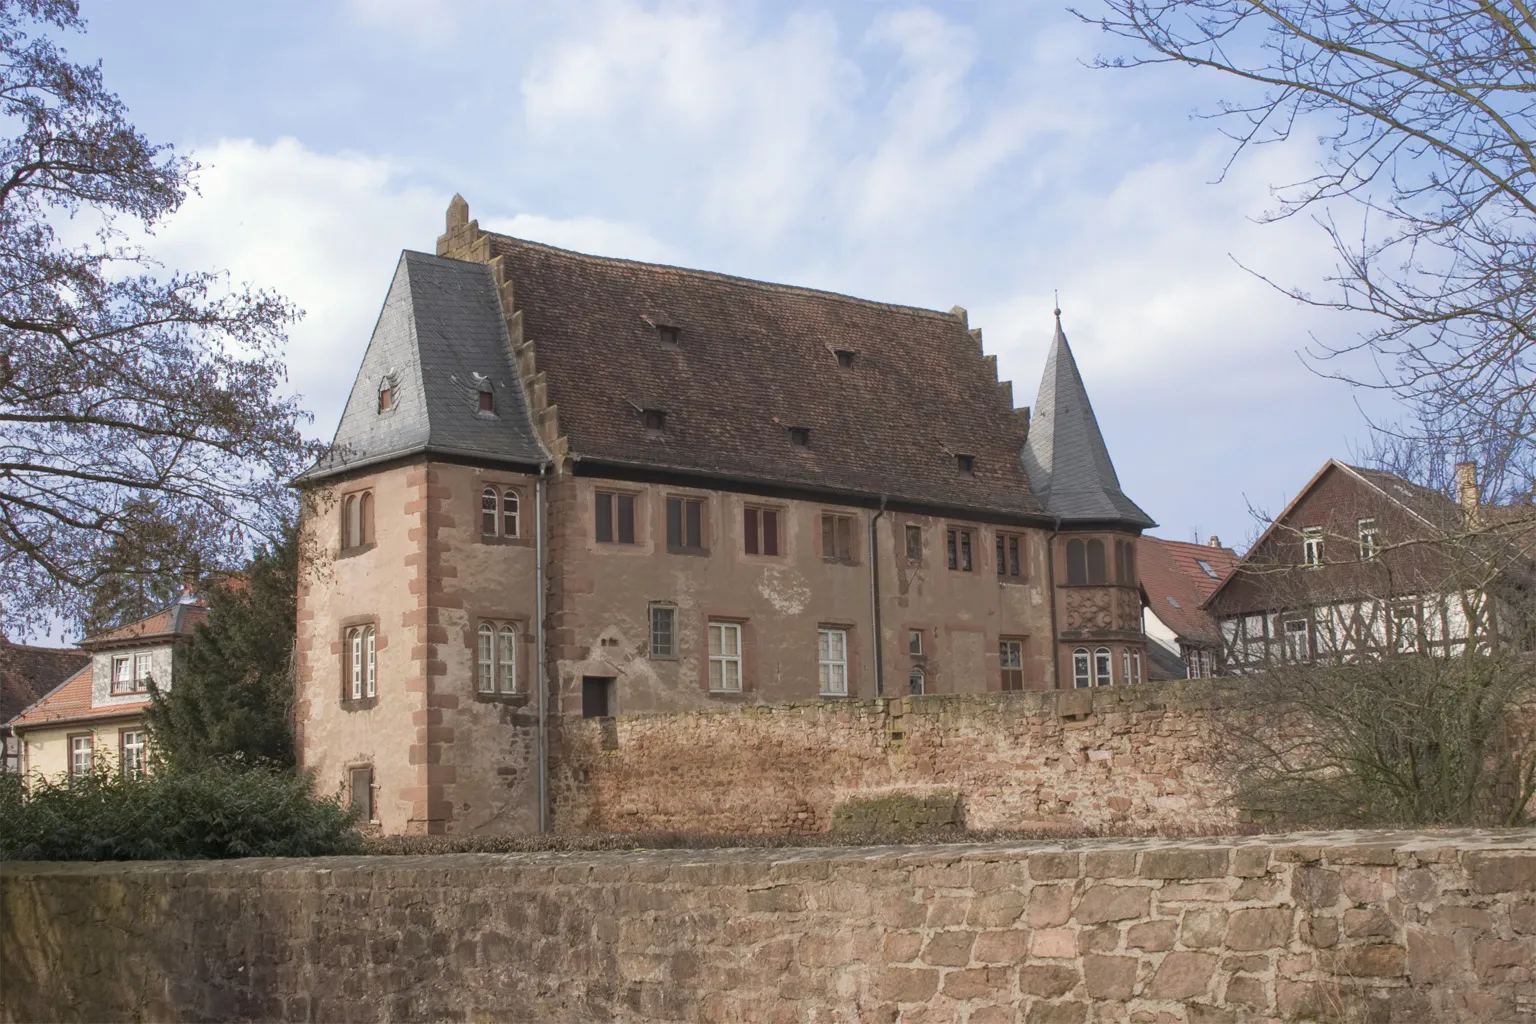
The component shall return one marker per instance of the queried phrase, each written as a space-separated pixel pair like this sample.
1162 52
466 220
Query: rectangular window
915 642
837 538
133 751
81 755
1312 546
685 524
1010 556
832 657
1102 667
663 631
142 670
360 781
1010 655
914 543
1405 629
1130 666
1081 678
1370 539
725 657
122 674
615 518
1298 642
760 528
958 544
597 696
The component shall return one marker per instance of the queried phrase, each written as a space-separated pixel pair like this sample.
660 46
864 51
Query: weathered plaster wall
1097 757
1341 927
602 594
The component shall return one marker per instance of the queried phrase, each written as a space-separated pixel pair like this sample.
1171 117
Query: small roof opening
670 336
1203 564
800 437
487 402
966 464
845 357
655 420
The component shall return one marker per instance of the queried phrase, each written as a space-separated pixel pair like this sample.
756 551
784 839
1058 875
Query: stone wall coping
1339 847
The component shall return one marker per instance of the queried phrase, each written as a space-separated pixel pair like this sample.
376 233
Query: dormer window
669 336
965 464
655 420
386 394
845 357
487 402
800 437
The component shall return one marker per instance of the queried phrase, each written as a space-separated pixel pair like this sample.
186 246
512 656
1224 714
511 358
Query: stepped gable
1066 458
753 360
440 327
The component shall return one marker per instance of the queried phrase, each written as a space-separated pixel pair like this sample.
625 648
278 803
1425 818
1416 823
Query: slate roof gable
755 359
441 325
1066 458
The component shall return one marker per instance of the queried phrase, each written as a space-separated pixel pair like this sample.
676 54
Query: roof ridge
773 286
13 645
1191 544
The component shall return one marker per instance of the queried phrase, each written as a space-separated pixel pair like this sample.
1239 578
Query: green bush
212 812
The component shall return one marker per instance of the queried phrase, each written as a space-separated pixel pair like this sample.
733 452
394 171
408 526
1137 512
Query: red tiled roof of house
177 620
1176 583
752 361
70 701
27 673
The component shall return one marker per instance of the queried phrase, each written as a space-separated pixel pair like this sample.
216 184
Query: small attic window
1203 564
1173 602
966 464
669 336
487 402
655 420
386 393
845 357
800 437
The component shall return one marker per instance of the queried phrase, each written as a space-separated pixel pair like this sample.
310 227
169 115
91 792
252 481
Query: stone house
566 485
1183 639
96 716
1363 563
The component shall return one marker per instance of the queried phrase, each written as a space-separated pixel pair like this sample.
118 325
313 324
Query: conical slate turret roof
440 340
1065 457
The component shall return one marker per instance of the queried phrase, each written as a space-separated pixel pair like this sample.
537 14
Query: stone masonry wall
1340 927
1107 757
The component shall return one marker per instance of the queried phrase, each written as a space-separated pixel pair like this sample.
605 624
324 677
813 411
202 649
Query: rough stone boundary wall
1099 758
1342 927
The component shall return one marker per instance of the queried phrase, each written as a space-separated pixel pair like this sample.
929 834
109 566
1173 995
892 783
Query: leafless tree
1427 191
142 427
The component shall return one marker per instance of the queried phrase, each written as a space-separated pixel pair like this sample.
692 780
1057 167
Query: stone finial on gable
461 233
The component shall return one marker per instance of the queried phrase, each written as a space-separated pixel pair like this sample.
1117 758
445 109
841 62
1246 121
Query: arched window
488 512
351 522
1096 562
507 659
1077 565
1080 677
1129 570
915 682
365 518
1102 666
509 513
487 664
370 681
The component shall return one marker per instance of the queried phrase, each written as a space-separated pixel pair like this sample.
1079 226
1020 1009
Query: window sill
699 552
839 561
361 549
836 696
728 694
130 693
1013 580
359 704
500 541
661 657
516 700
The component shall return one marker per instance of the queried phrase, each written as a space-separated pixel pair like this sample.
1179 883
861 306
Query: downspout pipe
1050 576
874 590
541 674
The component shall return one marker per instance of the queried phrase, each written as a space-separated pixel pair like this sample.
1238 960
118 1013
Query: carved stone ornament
1089 610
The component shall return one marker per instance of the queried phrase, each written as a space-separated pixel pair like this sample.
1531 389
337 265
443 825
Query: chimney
1214 542
1466 486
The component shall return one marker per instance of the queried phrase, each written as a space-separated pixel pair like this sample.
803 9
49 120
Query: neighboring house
1363 562
96 716
1183 639
26 674
566 485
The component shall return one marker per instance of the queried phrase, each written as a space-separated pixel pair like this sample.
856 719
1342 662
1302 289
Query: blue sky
950 154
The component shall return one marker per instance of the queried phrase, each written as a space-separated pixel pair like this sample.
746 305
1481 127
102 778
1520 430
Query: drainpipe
1050 576
874 589
541 674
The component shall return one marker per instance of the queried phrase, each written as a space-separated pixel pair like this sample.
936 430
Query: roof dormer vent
670 337
845 357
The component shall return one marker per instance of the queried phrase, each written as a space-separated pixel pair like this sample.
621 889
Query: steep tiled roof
70 701
1067 459
1176 584
440 339
756 359
27 673
179 619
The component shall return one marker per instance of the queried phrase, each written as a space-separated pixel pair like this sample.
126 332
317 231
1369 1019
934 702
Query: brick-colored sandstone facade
1326 927
644 468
